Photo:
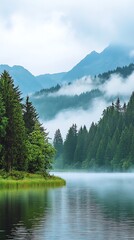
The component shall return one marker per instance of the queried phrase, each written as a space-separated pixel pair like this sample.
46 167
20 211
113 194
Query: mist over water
92 206
104 204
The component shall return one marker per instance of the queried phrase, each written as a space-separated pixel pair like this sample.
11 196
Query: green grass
31 180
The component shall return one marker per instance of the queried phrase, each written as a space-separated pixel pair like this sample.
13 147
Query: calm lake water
90 207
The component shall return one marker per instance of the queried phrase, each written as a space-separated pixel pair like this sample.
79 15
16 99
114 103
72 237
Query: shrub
4 174
17 175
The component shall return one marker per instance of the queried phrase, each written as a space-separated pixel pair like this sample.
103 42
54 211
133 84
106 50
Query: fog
77 87
97 205
103 183
115 87
95 177
118 86
65 119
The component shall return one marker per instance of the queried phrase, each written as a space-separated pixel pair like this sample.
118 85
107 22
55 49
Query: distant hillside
49 106
97 63
49 103
22 78
124 72
93 64
50 80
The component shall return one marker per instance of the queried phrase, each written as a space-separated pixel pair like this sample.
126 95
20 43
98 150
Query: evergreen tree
89 161
100 155
118 105
70 146
58 143
3 125
30 116
80 151
14 141
124 147
131 153
40 152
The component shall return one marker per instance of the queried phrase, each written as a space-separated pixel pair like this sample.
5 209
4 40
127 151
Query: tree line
124 72
108 145
48 106
24 144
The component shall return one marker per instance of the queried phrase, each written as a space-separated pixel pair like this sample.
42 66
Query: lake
90 207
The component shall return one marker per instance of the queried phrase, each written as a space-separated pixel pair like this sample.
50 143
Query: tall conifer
14 141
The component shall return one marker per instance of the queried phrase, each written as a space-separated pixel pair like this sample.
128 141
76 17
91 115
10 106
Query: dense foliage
24 143
108 145
124 72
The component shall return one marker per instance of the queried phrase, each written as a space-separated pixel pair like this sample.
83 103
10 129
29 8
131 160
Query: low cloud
118 86
115 87
77 87
53 36
65 119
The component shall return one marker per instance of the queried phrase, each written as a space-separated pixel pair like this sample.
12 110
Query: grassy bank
31 180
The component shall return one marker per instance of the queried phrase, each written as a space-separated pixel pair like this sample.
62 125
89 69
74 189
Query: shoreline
31 182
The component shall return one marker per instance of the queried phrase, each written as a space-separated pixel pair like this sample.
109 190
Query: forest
124 72
107 146
24 144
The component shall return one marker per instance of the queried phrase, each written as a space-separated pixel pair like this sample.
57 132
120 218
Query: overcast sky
52 36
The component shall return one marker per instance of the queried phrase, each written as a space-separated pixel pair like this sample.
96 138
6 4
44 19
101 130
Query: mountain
50 80
93 64
22 78
96 63
52 101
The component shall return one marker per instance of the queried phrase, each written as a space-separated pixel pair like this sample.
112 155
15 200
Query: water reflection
101 206
21 211
91 206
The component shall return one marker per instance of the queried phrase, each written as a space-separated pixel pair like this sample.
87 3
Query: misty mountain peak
93 53
95 63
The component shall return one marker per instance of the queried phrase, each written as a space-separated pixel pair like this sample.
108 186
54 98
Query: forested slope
108 145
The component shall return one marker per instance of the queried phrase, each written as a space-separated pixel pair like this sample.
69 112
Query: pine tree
124 147
58 143
89 160
118 105
14 141
80 151
70 146
101 149
30 115
3 125
131 153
